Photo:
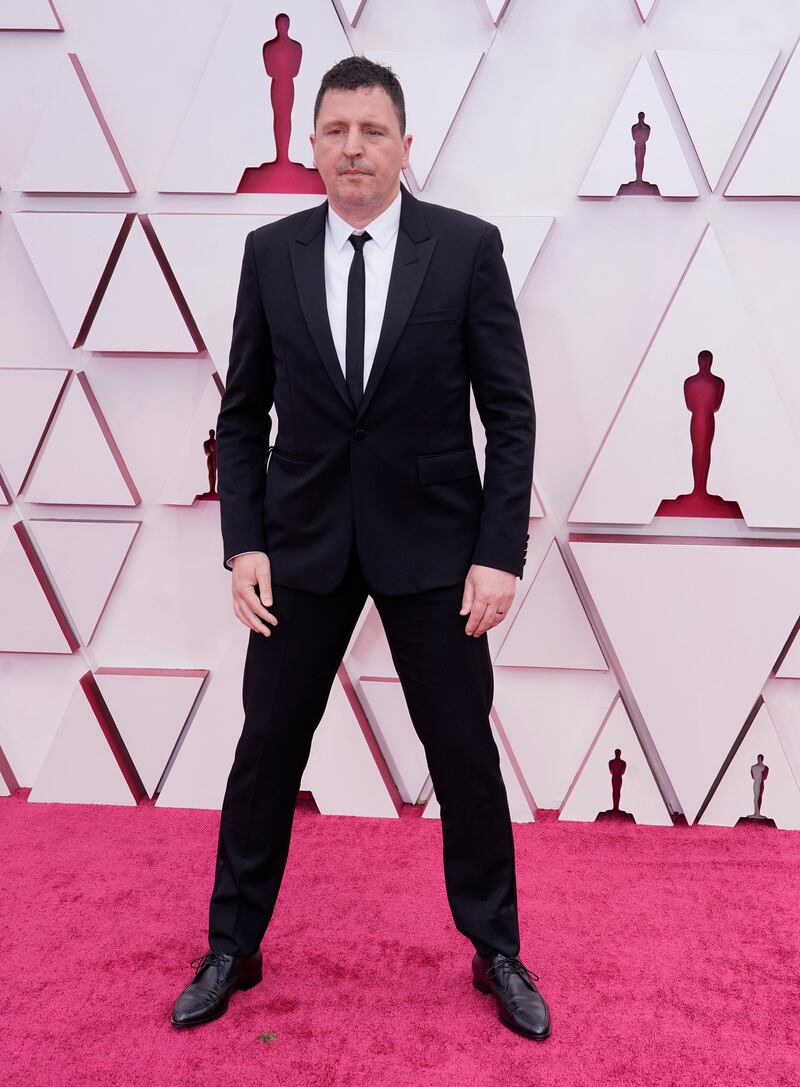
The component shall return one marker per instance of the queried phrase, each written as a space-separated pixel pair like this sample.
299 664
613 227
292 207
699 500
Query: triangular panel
199 768
523 237
149 708
138 311
497 9
550 717
748 791
697 628
342 773
29 15
518 803
782 697
644 8
716 90
80 463
84 559
615 783
614 163
205 253
80 767
190 465
646 456
790 665
73 150
229 124
369 653
28 399
771 164
430 116
30 619
351 9
386 708
70 252
551 628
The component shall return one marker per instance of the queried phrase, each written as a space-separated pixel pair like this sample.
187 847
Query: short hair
354 72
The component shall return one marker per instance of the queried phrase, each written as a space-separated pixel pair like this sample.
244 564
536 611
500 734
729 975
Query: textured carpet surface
668 956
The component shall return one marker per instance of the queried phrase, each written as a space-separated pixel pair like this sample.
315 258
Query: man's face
358 148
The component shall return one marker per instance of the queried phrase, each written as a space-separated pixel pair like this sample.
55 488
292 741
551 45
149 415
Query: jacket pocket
289 456
433 315
451 464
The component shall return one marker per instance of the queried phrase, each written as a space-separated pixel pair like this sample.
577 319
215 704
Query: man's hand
248 571
487 597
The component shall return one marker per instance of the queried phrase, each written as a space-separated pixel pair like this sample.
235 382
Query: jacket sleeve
501 382
243 423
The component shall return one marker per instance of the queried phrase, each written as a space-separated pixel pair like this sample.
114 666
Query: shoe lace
206 960
515 966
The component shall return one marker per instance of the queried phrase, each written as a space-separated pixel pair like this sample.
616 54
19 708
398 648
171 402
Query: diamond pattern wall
648 669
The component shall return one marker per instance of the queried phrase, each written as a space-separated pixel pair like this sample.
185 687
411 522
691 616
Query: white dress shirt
378 259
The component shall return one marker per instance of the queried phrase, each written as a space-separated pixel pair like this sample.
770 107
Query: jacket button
358 434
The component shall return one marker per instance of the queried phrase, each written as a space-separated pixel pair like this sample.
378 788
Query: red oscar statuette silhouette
703 394
282 56
640 134
616 767
210 450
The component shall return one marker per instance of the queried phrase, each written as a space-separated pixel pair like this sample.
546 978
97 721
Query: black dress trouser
448 684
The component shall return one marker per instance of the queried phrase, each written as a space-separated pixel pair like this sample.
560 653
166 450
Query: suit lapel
308 264
412 255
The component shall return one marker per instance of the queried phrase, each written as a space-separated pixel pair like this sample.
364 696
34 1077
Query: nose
352 147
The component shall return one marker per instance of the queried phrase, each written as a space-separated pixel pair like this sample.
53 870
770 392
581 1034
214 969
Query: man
364 320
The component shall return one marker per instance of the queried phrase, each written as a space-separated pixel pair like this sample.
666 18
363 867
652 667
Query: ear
313 147
406 151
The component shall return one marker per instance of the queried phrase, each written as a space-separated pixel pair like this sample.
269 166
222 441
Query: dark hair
354 72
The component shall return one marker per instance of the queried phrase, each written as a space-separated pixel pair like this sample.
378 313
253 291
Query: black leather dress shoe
520 1004
207 995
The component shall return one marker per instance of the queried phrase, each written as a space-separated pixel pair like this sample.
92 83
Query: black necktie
354 343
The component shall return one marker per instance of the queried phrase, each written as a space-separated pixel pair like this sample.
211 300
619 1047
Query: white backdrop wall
670 638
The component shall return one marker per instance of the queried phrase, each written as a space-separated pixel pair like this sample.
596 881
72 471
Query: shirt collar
382 229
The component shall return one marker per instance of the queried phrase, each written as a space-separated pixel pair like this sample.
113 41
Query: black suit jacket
400 472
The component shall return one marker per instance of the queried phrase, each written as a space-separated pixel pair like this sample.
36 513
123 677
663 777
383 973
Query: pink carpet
668 956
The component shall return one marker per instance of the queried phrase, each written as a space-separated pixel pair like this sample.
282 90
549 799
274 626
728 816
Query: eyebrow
364 124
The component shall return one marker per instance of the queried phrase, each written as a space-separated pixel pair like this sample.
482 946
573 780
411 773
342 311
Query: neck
359 217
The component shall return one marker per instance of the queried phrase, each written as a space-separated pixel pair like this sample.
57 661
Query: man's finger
260 625
466 597
265 588
249 599
245 616
503 608
476 614
488 620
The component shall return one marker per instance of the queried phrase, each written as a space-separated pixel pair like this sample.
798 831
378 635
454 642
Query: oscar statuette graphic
759 772
616 768
210 450
703 393
282 58
640 134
